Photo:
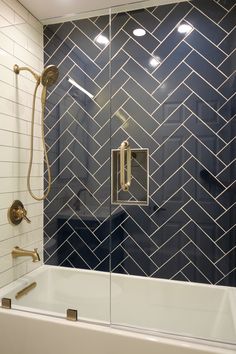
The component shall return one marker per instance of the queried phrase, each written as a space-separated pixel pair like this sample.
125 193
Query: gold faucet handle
17 213
24 216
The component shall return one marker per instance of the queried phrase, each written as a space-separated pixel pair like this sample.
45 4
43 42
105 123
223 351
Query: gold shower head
49 75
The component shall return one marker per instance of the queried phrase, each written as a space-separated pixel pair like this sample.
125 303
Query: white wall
21 42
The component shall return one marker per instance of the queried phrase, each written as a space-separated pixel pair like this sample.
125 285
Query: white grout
121 128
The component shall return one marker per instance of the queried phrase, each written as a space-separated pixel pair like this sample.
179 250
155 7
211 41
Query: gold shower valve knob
17 212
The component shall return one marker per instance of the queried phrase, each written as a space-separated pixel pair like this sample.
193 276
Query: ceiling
52 11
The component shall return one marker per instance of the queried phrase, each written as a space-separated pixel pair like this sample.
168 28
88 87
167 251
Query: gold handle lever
24 216
21 213
125 147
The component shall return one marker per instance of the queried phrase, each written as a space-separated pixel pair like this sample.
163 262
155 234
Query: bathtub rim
44 267
121 332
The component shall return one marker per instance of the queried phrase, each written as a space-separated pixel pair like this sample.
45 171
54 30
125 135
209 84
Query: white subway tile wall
21 42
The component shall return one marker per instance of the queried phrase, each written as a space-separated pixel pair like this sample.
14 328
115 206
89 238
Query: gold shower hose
43 103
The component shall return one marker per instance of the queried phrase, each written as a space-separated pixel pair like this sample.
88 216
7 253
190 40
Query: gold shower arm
125 147
17 70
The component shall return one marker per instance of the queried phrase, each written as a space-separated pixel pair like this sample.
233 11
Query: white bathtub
188 311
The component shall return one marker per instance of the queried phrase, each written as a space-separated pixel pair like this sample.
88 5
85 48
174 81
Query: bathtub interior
157 305
191 310
59 289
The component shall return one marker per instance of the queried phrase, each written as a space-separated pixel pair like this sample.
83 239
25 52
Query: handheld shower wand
48 77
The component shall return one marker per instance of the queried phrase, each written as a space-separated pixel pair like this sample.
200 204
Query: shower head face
49 75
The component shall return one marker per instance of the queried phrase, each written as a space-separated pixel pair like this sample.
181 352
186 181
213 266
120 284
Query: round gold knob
17 212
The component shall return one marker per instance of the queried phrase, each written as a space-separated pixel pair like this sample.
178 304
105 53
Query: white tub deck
25 333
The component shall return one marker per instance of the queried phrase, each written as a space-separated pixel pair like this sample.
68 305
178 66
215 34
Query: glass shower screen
170 255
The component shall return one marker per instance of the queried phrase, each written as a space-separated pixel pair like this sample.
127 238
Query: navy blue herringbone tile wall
172 91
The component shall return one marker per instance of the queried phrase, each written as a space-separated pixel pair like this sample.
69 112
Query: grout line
201 186
204 123
121 129
206 103
225 275
51 37
210 19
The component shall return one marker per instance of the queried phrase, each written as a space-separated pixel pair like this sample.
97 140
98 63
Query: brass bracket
17 212
6 303
71 315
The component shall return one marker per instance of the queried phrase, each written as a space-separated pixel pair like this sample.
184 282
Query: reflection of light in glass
155 62
102 39
123 119
184 28
139 32
74 83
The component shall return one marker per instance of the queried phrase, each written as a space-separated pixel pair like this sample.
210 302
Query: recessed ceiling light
139 32
184 28
101 39
155 62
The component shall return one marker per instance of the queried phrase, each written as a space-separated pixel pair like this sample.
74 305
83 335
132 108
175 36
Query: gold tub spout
19 252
